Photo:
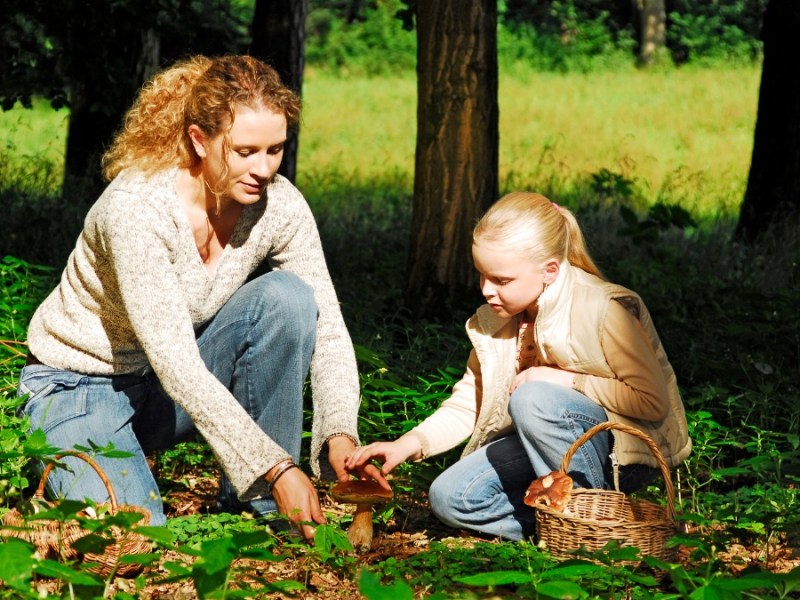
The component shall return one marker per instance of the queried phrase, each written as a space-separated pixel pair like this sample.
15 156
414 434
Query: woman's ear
198 141
551 268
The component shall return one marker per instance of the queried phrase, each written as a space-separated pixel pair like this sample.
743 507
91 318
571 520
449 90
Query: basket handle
605 426
39 494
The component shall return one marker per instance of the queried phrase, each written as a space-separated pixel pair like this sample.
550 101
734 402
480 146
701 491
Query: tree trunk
772 196
98 103
88 134
278 32
457 148
652 30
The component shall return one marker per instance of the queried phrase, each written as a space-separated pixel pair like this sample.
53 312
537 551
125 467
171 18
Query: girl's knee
535 399
436 493
440 497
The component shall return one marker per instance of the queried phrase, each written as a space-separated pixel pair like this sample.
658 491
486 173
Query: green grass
31 139
682 133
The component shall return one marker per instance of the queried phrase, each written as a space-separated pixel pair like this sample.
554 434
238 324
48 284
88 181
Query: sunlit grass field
680 135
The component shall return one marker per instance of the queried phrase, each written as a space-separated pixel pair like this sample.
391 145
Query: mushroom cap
360 491
553 489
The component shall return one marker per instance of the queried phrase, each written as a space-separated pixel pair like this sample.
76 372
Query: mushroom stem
360 531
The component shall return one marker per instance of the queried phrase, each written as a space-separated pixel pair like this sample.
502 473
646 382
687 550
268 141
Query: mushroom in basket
364 494
552 490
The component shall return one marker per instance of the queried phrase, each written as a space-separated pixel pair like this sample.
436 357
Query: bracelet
282 468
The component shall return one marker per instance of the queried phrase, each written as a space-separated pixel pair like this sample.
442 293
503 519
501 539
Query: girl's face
510 281
242 169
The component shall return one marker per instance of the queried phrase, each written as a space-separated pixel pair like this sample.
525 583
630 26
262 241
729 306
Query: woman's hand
390 454
339 449
549 374
297 498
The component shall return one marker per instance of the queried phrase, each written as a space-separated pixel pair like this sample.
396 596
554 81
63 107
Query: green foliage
372 42
722 30
192 530
370 586
568 41
50 48
521 571
218 571
22 288
376 37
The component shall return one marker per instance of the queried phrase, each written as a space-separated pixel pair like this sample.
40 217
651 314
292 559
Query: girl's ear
551 268
198 141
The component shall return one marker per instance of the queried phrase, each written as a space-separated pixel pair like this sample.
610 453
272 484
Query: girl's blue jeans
259 345
484 491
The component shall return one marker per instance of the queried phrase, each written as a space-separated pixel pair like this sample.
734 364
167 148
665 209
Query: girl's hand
339 449
390 454
549 374
297 499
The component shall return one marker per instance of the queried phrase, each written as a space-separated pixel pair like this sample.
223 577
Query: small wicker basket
54 538
592 517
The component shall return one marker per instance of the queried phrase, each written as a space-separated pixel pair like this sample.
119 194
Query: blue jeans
484 491
259 345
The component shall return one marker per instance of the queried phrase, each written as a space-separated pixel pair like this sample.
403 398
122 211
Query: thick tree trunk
653 30
278 32
88 133
773 187
98 105
457 147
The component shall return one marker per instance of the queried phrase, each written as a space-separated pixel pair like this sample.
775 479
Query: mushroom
364 494
553 490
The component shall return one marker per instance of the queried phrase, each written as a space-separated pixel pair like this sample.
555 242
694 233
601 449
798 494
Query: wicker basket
54 538
594 517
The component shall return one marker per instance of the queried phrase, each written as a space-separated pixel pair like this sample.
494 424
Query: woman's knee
287 287
282 297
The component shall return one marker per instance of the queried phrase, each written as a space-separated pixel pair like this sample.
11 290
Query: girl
556 350
157 329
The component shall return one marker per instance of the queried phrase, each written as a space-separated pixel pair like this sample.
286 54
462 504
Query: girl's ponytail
577 252
539 228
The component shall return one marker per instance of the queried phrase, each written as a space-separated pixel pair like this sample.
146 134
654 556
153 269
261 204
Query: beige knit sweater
135 290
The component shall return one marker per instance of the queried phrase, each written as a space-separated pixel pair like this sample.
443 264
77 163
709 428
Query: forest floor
408 533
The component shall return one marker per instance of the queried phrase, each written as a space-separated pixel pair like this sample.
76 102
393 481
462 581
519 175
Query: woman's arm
296 247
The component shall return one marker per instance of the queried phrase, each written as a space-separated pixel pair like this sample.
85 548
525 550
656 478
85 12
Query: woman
157 329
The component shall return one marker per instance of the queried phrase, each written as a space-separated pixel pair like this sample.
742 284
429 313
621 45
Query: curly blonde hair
538 227
198 91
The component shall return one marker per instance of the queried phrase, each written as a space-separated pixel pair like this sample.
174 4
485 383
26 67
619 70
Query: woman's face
254 152
510 281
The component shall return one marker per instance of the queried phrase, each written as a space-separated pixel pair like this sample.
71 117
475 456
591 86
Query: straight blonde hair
539 228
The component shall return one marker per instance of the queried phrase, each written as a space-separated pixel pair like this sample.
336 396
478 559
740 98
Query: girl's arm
638 389
452 423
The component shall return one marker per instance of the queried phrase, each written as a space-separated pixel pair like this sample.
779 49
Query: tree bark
456 160
652 30
88 133
278 32
98 101
772 196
